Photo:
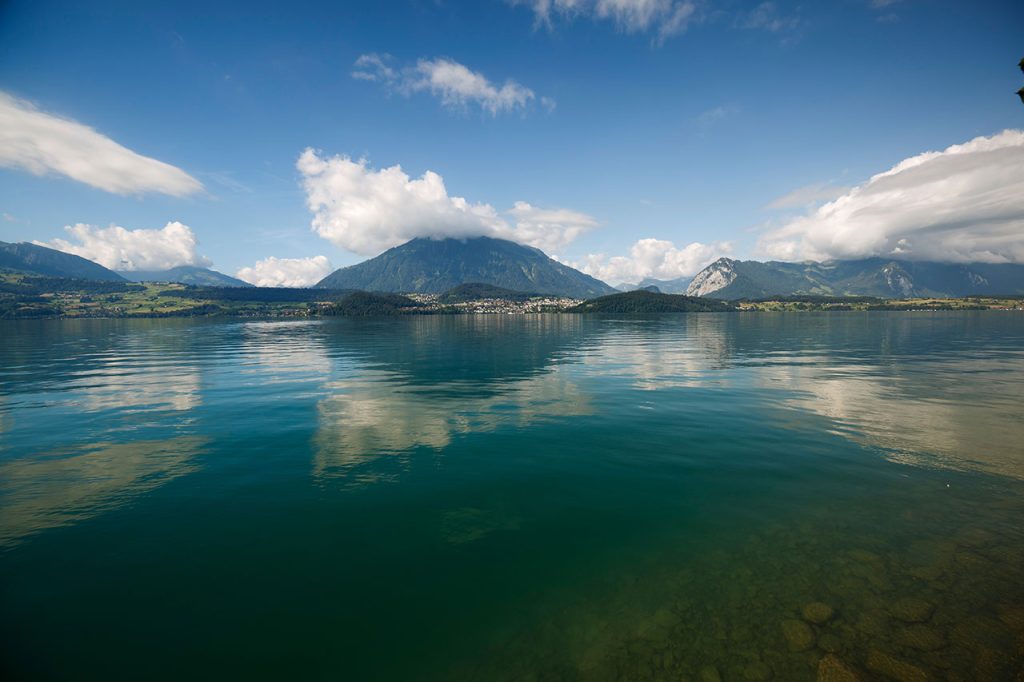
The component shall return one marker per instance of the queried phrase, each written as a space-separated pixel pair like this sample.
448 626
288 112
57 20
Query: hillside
434 266
185 274
732 279
475 291
649 302
39 260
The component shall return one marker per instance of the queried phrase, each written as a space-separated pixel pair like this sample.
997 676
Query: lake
737 496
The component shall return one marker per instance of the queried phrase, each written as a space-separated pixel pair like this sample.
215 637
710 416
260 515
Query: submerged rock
1012 615
830 643
798 634
817 612
920 637
889 666
757 672
831 669
912 609
709 673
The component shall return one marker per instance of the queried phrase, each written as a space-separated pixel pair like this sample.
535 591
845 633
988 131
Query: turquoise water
514 498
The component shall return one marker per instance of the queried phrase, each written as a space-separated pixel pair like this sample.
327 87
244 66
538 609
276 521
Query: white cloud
667 17
808 196
453 83
657 258
547 229
367 211
116 248
42 143
286 272
963 204
766 16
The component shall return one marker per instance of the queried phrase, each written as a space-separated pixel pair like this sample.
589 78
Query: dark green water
514 498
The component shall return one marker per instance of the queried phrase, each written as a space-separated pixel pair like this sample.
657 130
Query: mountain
185 274
40 260
732 279
641 301
665 286
474 291
433 266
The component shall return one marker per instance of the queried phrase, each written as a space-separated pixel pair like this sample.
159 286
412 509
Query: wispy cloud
666 18
366 211
43 143
710 117
286 272
116 248
768 17
808 196
962 204
455 84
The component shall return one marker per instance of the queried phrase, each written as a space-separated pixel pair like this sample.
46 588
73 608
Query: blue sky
637 126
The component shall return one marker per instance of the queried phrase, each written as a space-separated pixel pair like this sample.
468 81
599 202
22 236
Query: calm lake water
743 496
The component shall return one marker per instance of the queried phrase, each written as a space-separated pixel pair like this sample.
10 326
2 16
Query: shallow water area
757 496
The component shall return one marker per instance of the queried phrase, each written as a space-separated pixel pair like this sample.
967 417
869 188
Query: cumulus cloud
116 248
367 211
286 272
657 258
453 83
962 204
547 229
43 143
666 17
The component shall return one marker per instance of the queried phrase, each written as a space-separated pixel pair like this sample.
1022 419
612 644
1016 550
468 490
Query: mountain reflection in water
744 496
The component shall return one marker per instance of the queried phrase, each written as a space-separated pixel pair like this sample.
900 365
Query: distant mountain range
434 266
664 286
496 268
733 279
185 274
40 260
43 261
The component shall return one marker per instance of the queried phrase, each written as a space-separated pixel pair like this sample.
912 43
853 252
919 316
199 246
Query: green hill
40 260
641 301
185 274
366 304
474 291
436 265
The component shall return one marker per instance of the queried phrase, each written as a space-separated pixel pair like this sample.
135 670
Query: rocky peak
718 275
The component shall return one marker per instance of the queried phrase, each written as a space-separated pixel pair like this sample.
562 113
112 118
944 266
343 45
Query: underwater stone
864 556
709 673
831 669
830 643
884 664
1012 615
920 637
817 612
757 672
873 623
798 634
912 609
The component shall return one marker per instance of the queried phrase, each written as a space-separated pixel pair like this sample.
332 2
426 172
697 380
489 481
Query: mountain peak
732 279
430 265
